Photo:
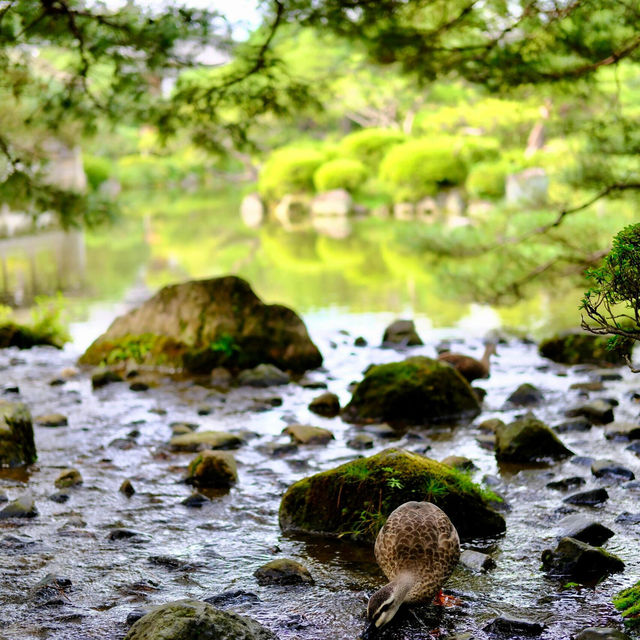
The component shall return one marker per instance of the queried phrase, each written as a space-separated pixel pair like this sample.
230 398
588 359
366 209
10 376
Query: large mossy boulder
418 390
528 440
203 324
17 446
580 348
627 602
355 499
196 620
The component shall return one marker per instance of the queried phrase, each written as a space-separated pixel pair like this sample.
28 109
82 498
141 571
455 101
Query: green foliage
627 602
49 318
370 145
133 348
341 173
289 170
475 149
420 168
225 344
98 170
487 180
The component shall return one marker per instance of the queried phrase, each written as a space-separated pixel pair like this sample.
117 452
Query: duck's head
383 605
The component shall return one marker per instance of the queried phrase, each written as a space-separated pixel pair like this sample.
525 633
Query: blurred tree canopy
69 66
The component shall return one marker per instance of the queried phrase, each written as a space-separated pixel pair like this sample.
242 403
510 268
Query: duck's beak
370 632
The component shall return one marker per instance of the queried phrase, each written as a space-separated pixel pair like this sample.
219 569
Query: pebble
598 411
68 478
574 425
326 405
283 571
103 378
195 500
513 628
52 420
622 431
361 441
526 395
476 560
60 497
127 488
628 518
139 386
583 528
567 483
588 498
611 470
304 434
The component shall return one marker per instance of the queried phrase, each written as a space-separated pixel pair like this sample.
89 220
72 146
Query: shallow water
115 433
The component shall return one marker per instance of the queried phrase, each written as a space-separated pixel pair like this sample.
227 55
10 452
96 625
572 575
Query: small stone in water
52 420
103 378
360 342
60 497
567 483
22 507
601 633
611 470
283 571
195 500
139 386
122 534
588 498
476 560
628 518
512 628
127 488
135 615
68 478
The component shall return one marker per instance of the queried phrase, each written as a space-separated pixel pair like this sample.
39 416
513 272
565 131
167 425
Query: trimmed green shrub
487 180
370 145
289 170
478 149
97 169
341 173
420 168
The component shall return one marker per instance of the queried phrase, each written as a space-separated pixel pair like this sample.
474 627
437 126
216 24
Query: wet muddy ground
115 433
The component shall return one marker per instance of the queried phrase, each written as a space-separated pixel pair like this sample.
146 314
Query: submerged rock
580 561
326 405
213 469
572 426
627 602
127 488
528 440
513 628
205 440
418 390
354 499
17 446
283 571
526 395
196 620
200 325
401 333
304 434
580 348
68 478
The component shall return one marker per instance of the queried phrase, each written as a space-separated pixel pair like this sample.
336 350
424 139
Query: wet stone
326 405
283 572
52 420
580 561
195 500
381 430
513 628
68 478
103 378
606 375
583 461
477 561
598 411
601 633
264 375
213 469
361 441
571 426
583 528
127 488
401 333
628 518
526 395
135 615
60 497
491 425
204 410
611 470
572 482
459 462
124 534
139 386
205 440
360 342
304 434
57 382
587 386
634 448
232 598
22 507
278 449
622 431
588 498
170 563
50 590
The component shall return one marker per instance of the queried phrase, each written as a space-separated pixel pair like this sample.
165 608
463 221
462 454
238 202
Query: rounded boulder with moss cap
354 500
202 324
577 347
418 390
528 440
196 620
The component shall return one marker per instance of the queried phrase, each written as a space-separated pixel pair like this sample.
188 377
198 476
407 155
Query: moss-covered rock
17 446
418 390
528 440
199 325
580 348
283 571
68 478
213 469
196 620
355 499
306 434
23 337
627 602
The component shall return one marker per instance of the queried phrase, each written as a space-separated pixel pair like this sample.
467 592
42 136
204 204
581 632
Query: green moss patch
581 348
23 337
418 390
627 602
355 499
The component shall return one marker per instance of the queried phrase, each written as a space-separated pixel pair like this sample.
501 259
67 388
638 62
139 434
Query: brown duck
417 549
469 367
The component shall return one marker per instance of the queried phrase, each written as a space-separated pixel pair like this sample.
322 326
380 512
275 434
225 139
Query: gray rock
476 560
52 420
583 528
628 518
580 561
634 448
459 462
220 377
526 395
196 620
401 333
567 483
601 633
611 470
283 571
305 434
22 507
571 426
17 446
381 430
598 412
588 498
205 440
326 404
264 375
622 431
513 628
528 440
103 378
361 441
195 500
50 590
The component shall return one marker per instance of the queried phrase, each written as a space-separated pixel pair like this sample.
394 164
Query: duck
417 549
469 367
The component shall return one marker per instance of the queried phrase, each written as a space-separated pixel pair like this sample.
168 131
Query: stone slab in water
583 528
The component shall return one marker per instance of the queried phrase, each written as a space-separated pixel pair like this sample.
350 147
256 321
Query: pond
343 289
